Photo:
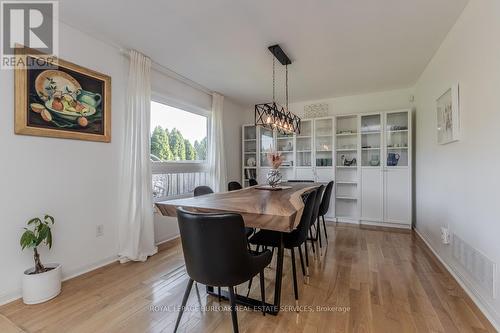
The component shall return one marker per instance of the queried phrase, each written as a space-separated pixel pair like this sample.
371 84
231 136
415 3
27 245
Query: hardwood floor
368 280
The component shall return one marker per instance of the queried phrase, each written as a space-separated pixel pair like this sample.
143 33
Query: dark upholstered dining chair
291 240
202 190
233 186
314 218
226 265
252 182
325 205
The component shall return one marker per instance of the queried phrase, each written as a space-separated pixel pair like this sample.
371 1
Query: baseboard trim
386 224
483 306
167 240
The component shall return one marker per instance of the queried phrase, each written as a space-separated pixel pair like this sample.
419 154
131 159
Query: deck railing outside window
171 185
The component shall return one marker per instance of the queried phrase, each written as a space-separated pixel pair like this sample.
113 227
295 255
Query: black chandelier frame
276 117
272 115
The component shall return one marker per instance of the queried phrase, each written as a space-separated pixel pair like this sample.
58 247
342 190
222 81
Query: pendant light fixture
272 115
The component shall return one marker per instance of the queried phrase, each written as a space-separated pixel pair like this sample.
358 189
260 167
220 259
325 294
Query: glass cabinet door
250 146
323 142
371 139
304 144
249 153
284 146
347 141
266 145
396 140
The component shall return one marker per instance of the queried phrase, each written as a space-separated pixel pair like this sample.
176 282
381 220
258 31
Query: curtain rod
174 75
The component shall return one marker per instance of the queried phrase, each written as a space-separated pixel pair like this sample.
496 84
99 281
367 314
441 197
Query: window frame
182 166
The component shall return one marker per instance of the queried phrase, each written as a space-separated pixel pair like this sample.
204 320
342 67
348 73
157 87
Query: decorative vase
38 288
273 177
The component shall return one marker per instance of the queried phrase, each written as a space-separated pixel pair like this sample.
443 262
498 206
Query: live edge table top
271 210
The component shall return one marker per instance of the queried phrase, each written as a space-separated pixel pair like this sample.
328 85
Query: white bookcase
368 155
386 185
250 152
347 152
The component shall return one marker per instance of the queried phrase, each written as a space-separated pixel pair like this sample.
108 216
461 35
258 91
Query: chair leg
218 292
249 286
184 301
318 232
234 317
307 256
262 292
312 240
301 261
324 227
294 273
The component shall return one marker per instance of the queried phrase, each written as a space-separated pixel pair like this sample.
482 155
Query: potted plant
42 282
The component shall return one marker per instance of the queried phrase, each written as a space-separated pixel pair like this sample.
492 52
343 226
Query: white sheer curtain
136 229
216 157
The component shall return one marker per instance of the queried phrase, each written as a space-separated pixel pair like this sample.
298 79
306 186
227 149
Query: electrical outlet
445 235
99 230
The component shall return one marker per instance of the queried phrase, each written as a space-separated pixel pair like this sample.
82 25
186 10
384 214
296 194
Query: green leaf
48 241
49 218
34 220
42 233
28 239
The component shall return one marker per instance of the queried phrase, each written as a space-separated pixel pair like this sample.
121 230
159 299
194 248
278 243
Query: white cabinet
368 155
386 168
397 196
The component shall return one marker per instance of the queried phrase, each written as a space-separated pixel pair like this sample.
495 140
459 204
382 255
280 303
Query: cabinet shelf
346 167
346 134
347 149
346 198
397 148
372 148
396 131
347 183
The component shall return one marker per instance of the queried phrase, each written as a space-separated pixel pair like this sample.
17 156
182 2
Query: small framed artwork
62 100
448 116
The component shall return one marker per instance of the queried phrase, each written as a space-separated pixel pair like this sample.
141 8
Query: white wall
457 184
378 101
75 181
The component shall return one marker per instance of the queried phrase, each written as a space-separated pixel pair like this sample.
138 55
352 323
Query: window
177 135
178 152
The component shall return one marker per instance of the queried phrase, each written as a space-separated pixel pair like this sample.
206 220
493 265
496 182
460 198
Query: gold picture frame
63 100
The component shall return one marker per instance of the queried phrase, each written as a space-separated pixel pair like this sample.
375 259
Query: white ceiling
338 47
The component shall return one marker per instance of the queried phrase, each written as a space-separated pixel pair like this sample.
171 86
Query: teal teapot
90 98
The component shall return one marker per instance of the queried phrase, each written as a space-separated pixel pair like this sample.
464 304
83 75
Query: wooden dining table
262 208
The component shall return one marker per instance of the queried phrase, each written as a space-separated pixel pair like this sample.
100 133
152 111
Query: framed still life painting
448 116
61 99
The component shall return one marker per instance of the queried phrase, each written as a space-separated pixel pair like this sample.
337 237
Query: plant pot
38 288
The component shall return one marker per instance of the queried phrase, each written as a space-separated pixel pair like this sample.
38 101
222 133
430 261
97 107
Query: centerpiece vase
273 177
